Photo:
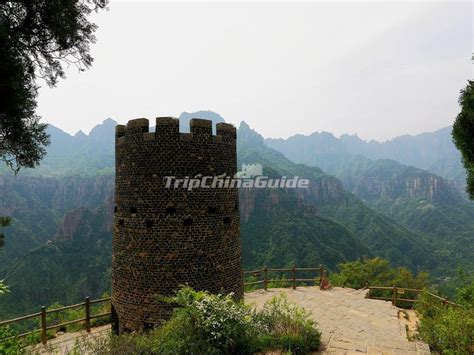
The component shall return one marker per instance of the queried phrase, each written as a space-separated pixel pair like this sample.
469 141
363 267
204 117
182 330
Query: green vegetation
66 269
431 151
11 346
291 232
424 204
215 324
320 225
326 198
463 131
49 261
52 318
382 235
3 288
448 329
377 272
429 225
36 40
4 222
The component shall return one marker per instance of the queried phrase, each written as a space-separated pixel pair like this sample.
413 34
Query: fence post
321 274
88 315
265 279
394 296
294 277
445 301
44 335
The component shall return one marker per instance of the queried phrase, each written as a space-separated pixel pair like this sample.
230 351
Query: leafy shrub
219 324
465 294
448 329
287 327
14 344
215 324
11 346
376 271
3 288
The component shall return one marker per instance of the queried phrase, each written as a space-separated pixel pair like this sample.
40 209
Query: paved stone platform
350 323
64 344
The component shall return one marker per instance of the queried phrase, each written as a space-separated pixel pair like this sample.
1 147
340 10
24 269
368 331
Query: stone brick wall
165 237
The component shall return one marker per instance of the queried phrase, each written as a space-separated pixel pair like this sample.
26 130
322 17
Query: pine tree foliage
463 133
37 39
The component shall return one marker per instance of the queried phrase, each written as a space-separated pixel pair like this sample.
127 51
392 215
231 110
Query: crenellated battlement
167 128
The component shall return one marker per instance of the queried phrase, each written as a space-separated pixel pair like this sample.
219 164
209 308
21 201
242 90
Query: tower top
168 128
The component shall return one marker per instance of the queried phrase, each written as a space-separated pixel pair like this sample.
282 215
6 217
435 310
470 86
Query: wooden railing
44 327
86 319
397 295
263 275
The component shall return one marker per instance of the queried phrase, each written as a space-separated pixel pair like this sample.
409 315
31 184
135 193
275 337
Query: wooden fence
263 275
86 319
42 315
397 294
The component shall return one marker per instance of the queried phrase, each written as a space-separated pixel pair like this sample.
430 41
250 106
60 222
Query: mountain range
59 245
418 181
434 152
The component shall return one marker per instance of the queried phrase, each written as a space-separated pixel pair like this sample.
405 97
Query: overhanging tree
37 39
463 133
4 222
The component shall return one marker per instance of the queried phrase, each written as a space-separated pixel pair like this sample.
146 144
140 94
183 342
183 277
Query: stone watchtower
165 237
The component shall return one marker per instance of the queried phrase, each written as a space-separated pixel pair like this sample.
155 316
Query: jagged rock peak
248 135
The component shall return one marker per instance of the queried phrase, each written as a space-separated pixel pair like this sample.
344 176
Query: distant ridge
431 151
185 117
91 154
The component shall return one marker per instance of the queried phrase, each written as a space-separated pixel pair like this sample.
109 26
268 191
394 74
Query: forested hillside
71 266
37 206
59 245
422 201
326 194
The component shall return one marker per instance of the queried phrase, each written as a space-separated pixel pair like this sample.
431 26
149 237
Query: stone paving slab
350 323
64 343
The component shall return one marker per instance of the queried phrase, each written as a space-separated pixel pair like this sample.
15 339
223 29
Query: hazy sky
378 69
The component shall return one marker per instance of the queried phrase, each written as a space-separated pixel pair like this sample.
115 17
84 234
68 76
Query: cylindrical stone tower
166 237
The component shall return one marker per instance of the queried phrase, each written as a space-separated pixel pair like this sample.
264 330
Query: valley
58 248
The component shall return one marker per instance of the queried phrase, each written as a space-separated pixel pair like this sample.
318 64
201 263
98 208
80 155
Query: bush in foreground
215 324
12 345
448 329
